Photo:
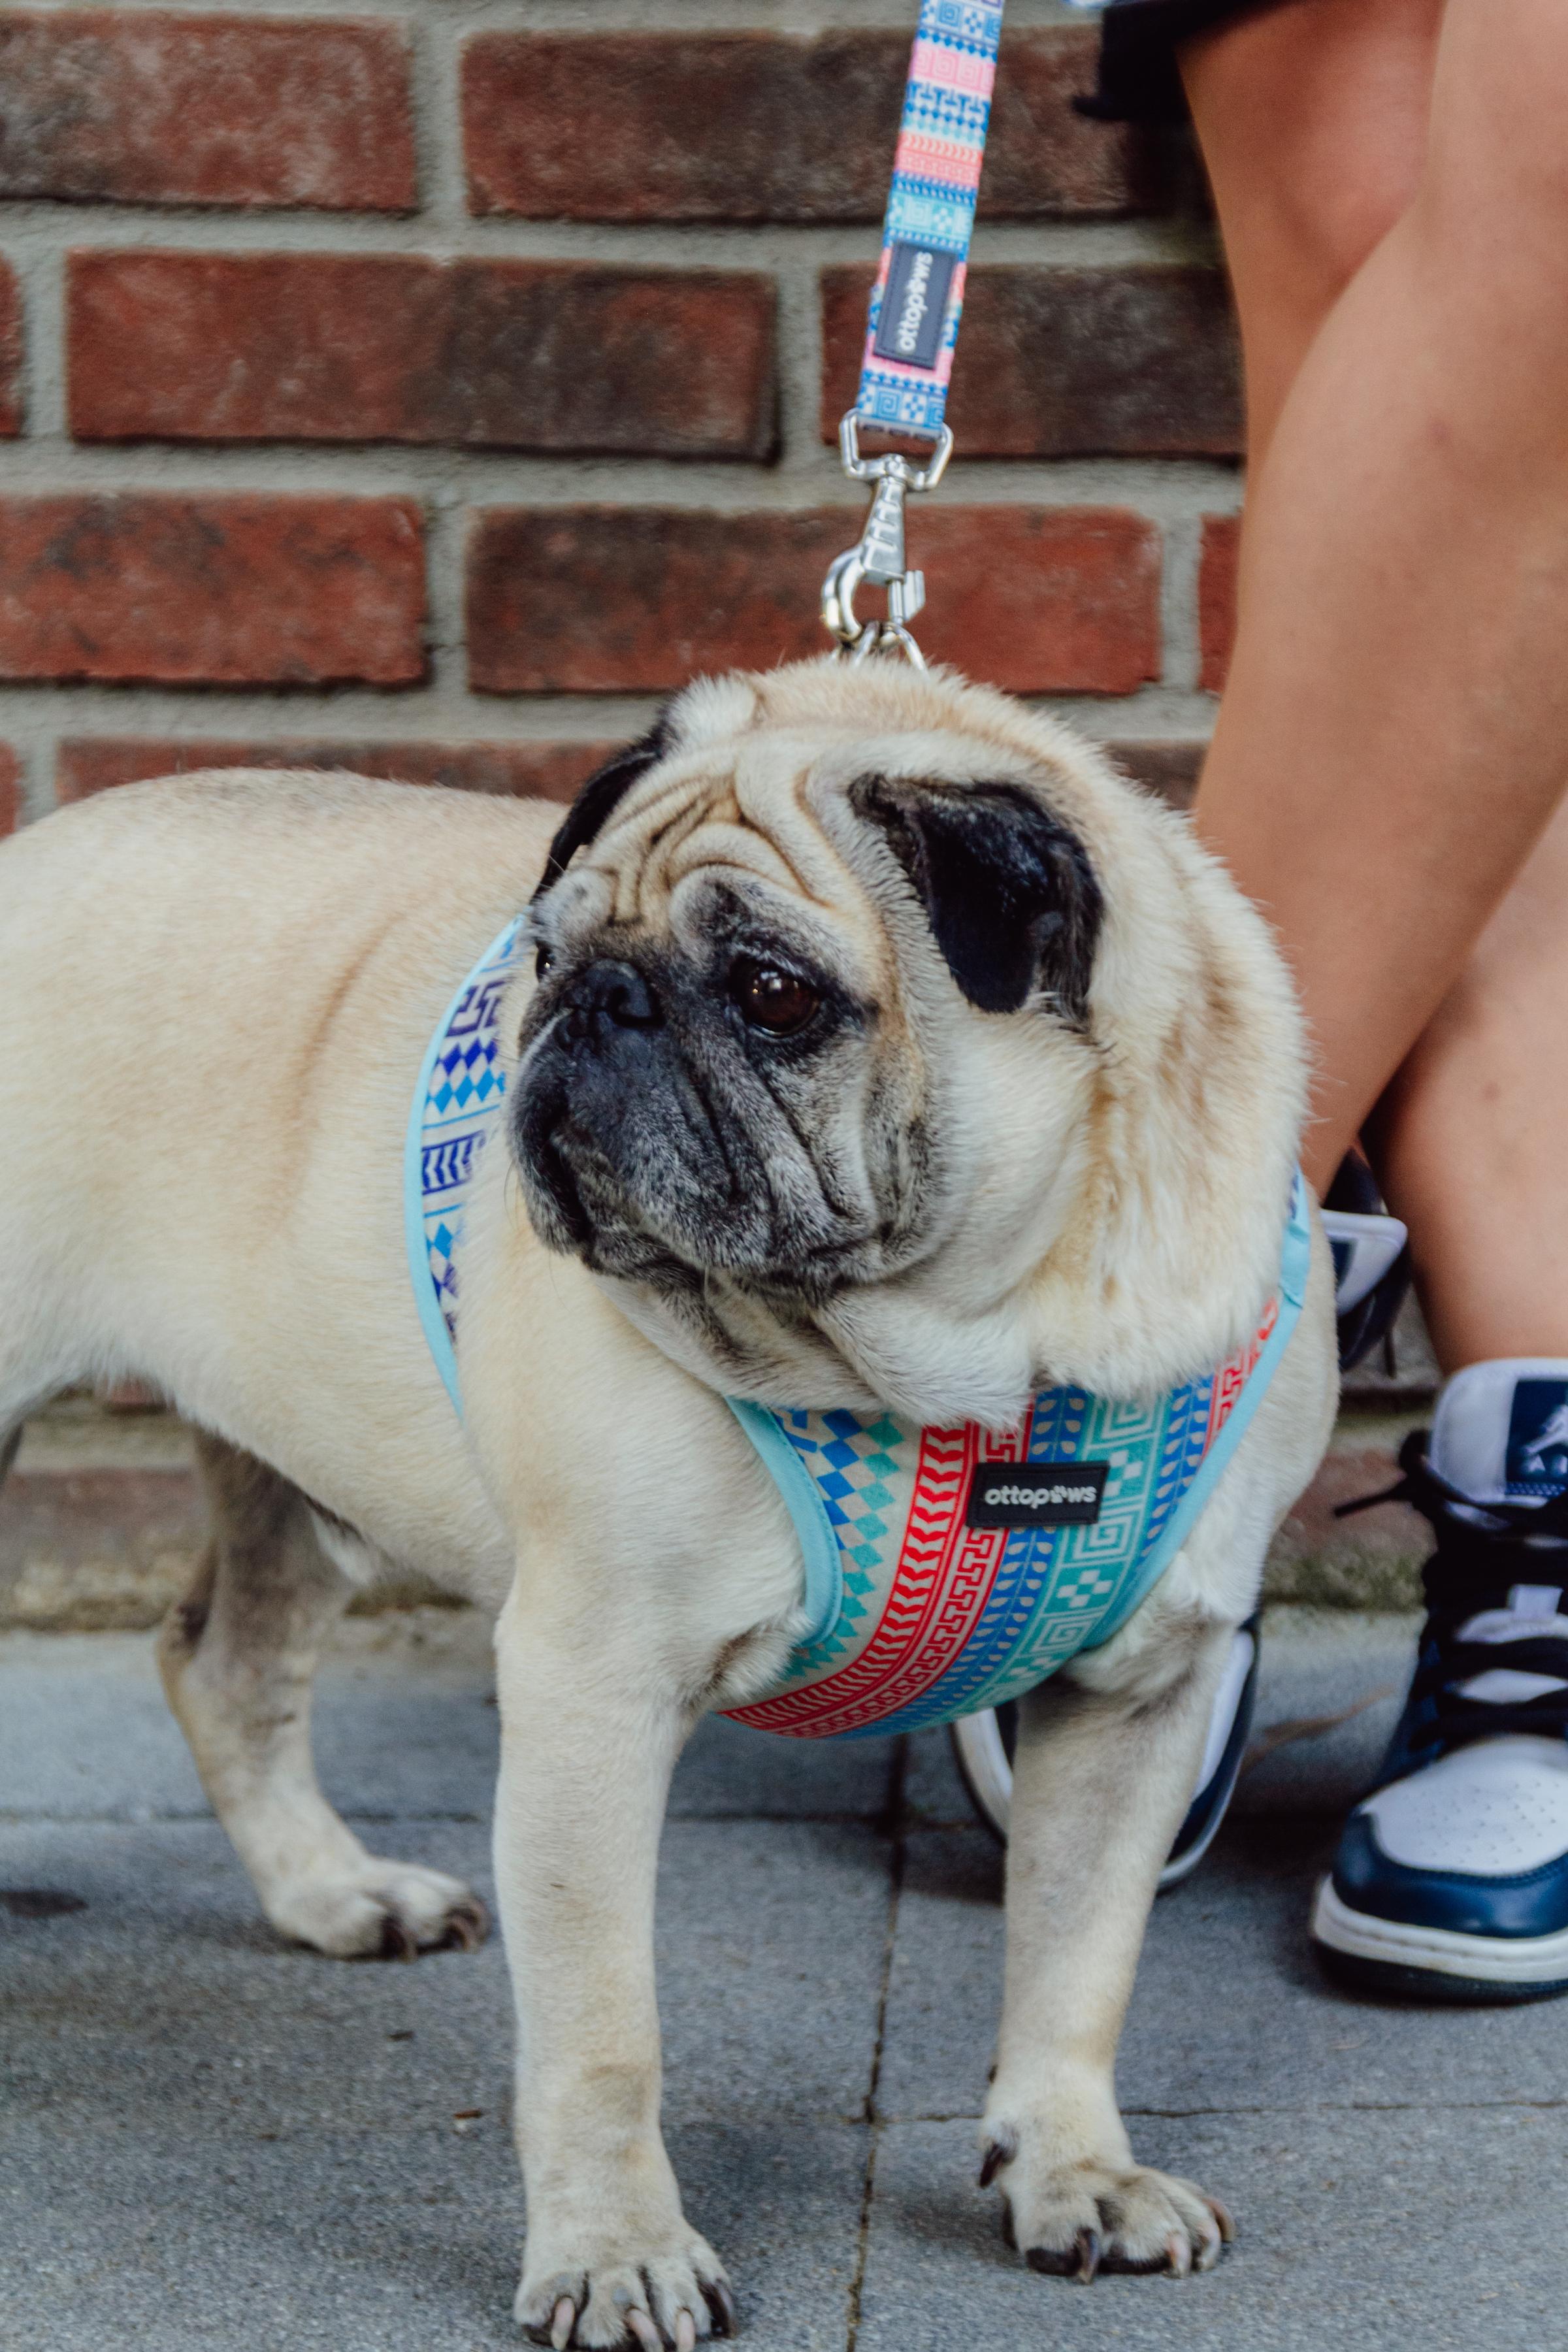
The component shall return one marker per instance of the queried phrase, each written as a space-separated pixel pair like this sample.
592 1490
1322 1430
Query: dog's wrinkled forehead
661 812
839 799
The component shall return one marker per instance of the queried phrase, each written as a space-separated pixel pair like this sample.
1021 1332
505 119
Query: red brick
763 126
97 1549
1217 597
10 353
1137 361
340 347
551 770
10 791
212 590
132 107
595 600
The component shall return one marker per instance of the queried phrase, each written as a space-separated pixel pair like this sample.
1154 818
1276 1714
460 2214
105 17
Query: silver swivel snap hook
877 558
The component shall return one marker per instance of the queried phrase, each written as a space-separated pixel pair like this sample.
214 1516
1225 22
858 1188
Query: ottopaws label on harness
1051 1495
946 1570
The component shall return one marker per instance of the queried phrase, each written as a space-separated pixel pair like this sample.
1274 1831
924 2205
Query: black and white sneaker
983 1744
1451 1878
1371 1251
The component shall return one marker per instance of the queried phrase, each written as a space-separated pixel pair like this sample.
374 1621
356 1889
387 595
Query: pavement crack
897 1823
1317 2108
11 1819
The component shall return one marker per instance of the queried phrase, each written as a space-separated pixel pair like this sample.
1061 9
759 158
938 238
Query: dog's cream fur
216 992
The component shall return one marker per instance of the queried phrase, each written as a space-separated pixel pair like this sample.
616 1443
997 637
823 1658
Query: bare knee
1313 119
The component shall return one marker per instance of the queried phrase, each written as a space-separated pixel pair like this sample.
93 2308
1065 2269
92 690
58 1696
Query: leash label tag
914 304
1035 1493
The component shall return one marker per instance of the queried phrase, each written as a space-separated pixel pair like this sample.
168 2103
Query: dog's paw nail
685 2331
722 2304
1009 2231
1178 2254
397 1941
466 1926
563 2320
1221 2215
643 2329
1002 2149
1081 2262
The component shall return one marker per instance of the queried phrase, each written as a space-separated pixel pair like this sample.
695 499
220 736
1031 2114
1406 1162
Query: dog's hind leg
238 1655
10 1446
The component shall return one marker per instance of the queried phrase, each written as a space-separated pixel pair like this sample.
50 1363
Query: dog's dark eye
773 999
543 960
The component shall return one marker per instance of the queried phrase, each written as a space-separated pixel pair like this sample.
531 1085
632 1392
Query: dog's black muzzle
649 1147
608 996
616 1133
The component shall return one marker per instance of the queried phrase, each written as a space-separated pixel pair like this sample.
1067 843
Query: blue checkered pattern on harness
463 1092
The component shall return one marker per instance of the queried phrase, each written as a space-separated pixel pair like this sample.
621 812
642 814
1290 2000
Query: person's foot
1451 1879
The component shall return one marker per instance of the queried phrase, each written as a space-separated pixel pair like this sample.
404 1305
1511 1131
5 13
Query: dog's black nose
608 992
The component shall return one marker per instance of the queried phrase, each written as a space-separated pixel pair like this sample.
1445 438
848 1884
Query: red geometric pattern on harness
944 1575
1232 1377
939 1587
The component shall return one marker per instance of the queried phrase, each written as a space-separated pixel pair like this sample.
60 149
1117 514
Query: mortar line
896 1824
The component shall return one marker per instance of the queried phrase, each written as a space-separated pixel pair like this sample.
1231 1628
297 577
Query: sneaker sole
1388 1956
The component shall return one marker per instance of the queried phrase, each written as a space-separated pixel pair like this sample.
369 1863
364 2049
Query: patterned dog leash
913 327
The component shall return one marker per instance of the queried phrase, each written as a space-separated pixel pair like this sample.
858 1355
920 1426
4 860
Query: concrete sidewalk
208 2140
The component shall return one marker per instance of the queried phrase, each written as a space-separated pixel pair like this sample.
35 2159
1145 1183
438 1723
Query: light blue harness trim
824 1600
437 1128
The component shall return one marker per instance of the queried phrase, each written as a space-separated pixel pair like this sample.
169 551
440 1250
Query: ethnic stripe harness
945 1570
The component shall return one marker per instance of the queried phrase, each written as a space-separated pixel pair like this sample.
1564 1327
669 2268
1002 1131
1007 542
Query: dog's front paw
1076 2217
641 2296
380 1910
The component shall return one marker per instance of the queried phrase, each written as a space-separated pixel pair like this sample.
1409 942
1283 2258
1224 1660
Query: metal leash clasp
878 556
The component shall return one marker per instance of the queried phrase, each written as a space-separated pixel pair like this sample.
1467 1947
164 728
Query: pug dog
878 1047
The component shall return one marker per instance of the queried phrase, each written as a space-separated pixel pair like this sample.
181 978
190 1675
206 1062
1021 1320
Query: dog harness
945 1570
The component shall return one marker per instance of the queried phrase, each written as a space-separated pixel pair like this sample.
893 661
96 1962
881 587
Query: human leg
1474 1124
1384 822
1390 745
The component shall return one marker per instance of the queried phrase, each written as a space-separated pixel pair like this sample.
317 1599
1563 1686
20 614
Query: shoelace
1472 1572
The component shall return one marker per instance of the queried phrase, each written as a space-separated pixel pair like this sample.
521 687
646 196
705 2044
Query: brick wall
428 387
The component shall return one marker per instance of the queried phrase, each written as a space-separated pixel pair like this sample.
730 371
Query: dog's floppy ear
1010 895
591 811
